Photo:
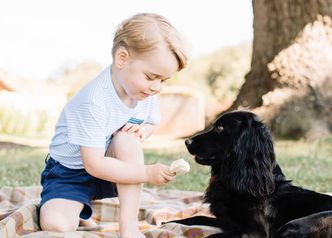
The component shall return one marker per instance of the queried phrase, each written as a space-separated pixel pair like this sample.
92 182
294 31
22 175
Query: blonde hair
144 32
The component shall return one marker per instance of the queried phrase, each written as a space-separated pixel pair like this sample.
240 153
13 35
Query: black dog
248 193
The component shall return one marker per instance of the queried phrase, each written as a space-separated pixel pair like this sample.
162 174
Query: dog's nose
188 142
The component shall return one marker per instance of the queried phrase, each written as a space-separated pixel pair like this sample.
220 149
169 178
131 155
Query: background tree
290 81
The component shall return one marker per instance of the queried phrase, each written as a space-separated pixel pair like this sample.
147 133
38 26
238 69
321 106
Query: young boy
96 151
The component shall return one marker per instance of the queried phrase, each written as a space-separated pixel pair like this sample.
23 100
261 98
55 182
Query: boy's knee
58 223
127 147
125 137
125 140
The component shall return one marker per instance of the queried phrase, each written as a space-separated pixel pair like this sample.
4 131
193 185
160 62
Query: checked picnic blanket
19 218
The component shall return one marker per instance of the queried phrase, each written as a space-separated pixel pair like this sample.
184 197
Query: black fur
248 193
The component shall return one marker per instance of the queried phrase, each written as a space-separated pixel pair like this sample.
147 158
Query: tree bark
290 81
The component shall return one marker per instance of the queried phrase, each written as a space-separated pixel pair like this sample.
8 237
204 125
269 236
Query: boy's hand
159 174
133 129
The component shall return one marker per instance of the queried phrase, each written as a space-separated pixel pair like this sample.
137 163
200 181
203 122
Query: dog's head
239 148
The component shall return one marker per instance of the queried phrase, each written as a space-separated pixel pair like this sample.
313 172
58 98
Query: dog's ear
251 162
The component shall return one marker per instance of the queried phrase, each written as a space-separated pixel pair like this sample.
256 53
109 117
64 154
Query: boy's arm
117 171
111 169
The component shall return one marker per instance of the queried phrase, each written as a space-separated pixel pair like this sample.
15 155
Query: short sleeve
154 116
87 125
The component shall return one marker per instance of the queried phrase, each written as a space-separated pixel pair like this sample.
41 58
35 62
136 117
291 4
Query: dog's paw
291 230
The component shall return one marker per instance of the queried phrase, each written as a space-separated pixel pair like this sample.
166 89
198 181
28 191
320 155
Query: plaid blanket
18 215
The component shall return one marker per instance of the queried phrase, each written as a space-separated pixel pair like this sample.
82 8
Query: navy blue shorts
59 181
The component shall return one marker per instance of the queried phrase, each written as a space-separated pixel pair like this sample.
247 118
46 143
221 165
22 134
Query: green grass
21 166
308 164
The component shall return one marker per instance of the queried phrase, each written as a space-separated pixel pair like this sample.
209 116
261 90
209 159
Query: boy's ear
121 57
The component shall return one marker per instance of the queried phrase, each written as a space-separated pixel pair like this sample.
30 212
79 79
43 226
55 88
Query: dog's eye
219 129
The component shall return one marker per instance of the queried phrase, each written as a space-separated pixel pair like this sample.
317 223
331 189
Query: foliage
73 77
33 115
220 74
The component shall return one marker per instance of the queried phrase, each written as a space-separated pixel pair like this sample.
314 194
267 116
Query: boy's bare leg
127 147
54 215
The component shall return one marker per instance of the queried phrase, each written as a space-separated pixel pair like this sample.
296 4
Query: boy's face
144 75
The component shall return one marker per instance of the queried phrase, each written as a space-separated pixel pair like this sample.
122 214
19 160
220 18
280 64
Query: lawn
308 164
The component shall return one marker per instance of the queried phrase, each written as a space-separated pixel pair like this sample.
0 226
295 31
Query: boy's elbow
91 166
89 169
91 158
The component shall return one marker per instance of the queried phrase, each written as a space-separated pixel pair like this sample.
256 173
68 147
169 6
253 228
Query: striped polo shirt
92 116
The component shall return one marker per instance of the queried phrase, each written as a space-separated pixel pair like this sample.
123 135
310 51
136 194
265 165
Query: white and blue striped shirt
92 116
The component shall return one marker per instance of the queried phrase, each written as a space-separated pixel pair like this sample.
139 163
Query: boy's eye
148 77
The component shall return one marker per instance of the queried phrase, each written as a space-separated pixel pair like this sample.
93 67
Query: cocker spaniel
248 193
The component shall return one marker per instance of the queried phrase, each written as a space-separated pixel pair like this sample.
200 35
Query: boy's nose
155 87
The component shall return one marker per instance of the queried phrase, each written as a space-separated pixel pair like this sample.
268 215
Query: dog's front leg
220 235
313 226
197 220
232 235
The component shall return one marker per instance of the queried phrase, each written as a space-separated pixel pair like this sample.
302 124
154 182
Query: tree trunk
290 81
